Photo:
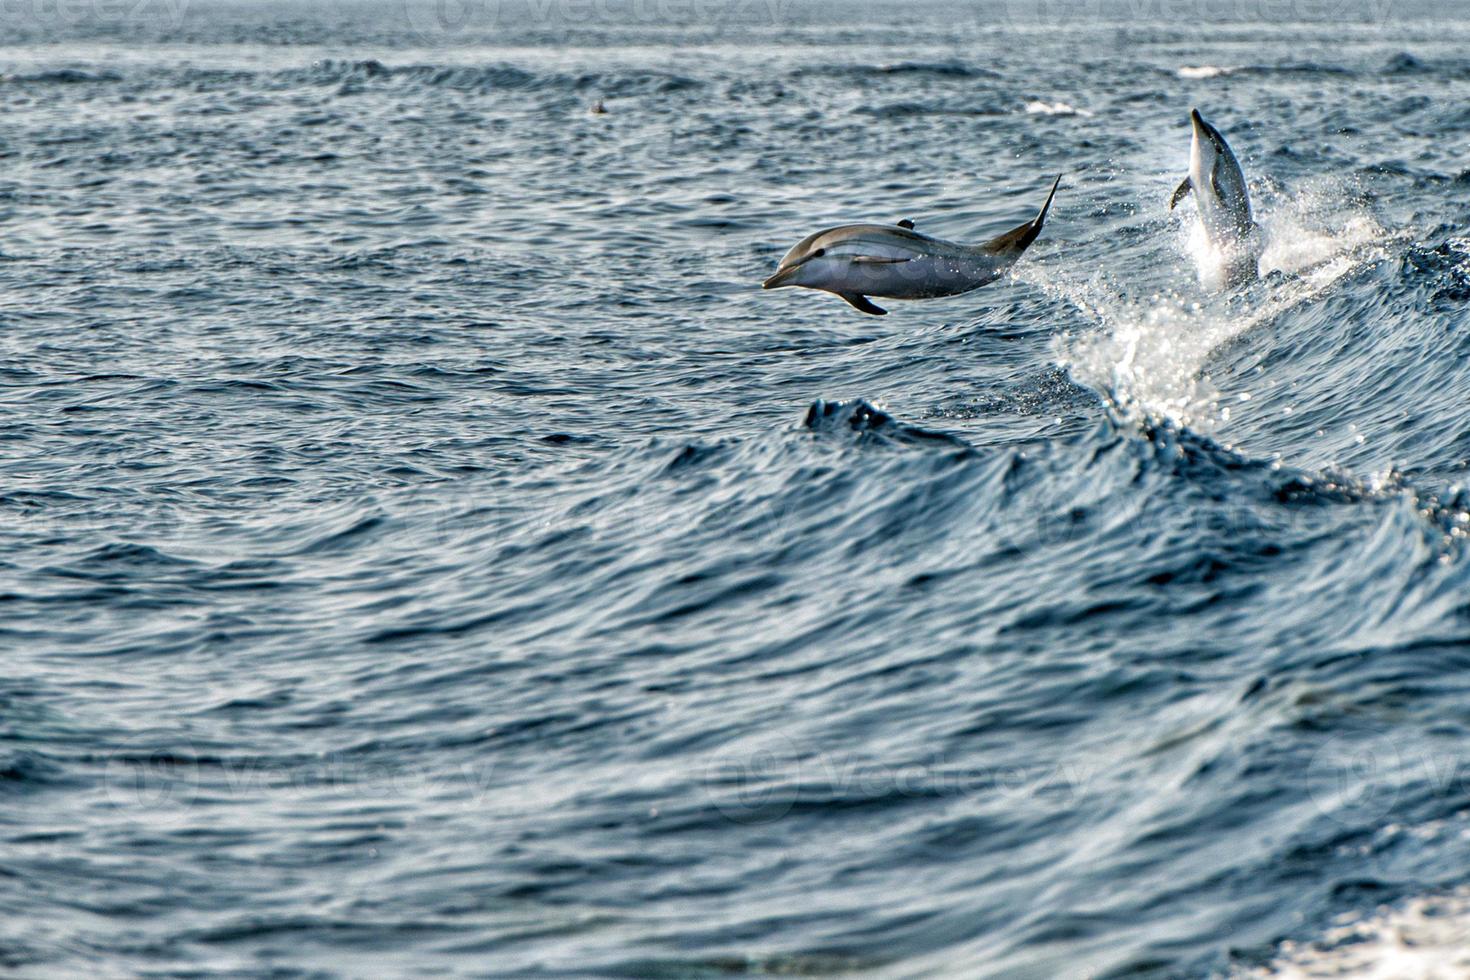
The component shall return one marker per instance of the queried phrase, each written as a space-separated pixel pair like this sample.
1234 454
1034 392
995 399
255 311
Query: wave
1401 64
488 78
24 771
331 72
1405 63
936 69
1299 68
865 420
62 76
900 110
1447 265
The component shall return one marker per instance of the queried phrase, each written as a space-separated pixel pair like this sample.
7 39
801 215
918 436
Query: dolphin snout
1206 133
781 278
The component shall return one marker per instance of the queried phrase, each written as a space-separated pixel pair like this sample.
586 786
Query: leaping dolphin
1224 205
858 261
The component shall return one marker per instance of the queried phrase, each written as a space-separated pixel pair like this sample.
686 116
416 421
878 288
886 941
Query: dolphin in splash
1224 205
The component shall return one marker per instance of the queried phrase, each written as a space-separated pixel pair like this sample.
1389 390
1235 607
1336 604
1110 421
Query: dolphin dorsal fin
907 223
1018 238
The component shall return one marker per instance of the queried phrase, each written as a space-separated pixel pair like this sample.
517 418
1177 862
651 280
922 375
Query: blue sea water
426 551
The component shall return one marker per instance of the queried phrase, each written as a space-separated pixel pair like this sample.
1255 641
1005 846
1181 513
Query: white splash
1426 939
1204 71
1039 108
1211 263
1149 352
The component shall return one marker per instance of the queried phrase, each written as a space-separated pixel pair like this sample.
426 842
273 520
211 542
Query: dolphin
1224 205
858 261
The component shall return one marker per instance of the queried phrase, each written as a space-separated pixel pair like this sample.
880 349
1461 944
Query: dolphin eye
819 253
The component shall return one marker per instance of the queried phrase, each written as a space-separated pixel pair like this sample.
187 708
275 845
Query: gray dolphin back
1230 190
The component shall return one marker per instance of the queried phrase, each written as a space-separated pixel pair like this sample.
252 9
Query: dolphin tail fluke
1015 241
1180 193
860 302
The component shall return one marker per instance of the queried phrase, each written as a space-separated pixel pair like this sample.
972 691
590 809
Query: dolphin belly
923 277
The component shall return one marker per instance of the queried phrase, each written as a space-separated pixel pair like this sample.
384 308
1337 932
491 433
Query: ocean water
426 551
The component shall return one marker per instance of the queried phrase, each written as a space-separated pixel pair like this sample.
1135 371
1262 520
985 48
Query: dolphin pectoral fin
860 302
907 223
1015 241
1180 193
